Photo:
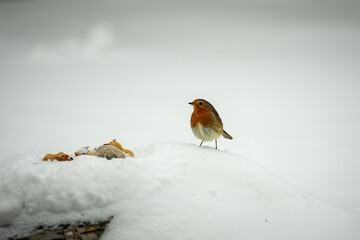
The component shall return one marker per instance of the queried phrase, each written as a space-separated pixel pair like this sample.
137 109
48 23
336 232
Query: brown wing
213 110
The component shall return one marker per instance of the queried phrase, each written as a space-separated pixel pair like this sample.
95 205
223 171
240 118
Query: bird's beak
191 103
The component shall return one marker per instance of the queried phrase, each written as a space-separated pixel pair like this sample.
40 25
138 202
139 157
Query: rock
109 152
79 231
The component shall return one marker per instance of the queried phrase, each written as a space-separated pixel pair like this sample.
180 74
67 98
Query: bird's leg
215 143
201 143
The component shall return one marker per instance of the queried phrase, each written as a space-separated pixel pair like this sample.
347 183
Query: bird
206 123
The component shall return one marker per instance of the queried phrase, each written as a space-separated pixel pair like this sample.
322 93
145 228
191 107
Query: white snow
283 75
168 191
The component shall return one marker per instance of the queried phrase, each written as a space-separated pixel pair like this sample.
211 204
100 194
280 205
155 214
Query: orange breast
202 116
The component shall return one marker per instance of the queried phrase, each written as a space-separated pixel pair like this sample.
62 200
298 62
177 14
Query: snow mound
169 191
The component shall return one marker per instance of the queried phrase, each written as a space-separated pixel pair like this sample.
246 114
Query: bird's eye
201 103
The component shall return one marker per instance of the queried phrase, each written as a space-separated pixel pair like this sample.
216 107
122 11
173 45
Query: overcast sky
284 76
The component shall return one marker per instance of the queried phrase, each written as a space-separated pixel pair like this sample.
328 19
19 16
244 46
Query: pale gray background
284 76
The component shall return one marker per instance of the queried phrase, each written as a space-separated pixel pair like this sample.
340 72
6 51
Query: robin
206 123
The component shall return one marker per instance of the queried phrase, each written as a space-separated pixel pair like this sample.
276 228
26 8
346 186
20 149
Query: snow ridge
169 191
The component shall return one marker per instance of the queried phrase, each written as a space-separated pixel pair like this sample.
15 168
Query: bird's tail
226 135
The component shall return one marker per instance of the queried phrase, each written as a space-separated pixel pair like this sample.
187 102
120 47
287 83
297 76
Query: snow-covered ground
169 191
283 75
